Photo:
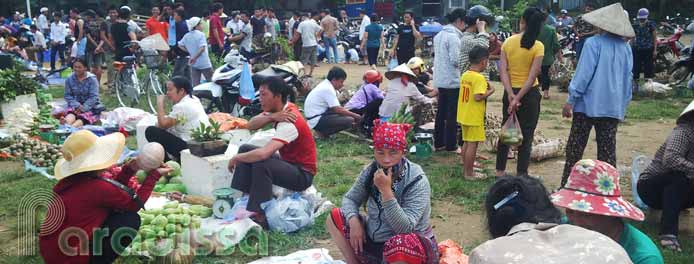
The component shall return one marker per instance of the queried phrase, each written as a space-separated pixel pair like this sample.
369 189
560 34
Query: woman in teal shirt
372 40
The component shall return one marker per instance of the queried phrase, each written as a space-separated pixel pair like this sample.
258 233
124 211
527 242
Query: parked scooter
222 93
429 29
684 68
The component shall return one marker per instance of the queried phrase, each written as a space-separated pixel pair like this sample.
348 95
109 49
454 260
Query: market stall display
38 153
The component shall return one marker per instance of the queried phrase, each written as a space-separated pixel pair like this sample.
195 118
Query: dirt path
448 219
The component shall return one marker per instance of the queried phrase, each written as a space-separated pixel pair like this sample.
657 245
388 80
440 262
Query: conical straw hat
690 108
611 19
400 69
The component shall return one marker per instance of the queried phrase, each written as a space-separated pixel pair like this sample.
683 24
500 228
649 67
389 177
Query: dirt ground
450 221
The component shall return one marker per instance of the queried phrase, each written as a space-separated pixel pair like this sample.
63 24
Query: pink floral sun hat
593 187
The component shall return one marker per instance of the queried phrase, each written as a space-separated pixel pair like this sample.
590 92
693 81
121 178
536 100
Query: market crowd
524 220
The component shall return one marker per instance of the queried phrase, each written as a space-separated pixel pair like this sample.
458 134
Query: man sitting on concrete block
256 169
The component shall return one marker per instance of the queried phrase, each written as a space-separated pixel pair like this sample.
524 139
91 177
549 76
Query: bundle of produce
20 120
166 232
38 153
546 148
423 113
402 116
172 182
44 117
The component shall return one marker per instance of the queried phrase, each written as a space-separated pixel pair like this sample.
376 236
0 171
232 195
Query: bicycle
128 86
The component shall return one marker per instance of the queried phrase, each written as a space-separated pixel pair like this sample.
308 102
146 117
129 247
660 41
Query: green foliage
654 109
43 98
217 61
286 49
511 16
13 83
207 133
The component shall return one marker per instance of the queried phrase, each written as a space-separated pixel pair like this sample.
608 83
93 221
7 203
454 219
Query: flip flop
477 176
670 242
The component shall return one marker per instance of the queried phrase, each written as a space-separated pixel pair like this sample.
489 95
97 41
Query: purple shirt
365 95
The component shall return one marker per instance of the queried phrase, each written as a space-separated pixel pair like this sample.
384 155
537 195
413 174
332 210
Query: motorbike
429 29
673 41
684 67
222 93
349 39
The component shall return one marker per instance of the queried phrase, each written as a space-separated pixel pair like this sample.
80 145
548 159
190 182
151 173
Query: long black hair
531 205
458 13
182 83
534 18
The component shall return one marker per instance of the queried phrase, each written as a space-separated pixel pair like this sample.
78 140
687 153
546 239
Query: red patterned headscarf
390 136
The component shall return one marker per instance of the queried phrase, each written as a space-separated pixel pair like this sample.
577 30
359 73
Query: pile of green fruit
511 136
171 183
402 116
171 224
38 153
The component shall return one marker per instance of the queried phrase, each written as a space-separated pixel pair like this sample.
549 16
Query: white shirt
42 22
364 22
235 26
290 27
193 41
188 113
308 29
398 94
39 40
134 27
286 132
58 32
247 40
318 101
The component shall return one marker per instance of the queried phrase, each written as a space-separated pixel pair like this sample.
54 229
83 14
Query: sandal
670 242
476 176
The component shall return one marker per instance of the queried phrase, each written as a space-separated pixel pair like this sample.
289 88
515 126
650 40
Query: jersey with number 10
471 112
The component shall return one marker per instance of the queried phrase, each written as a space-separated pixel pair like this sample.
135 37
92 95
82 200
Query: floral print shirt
549 243
82 95
644 35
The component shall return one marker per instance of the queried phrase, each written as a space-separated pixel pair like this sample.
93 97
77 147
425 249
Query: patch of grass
670 257
57 91
654 109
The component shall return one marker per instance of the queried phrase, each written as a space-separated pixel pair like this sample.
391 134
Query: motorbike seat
272 72
128 59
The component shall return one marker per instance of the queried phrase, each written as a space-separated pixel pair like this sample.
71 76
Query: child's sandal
670 242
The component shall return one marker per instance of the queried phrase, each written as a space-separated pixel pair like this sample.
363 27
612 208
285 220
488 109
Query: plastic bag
246 89
392 63
238 211
125 117
511 132
289 214
639 164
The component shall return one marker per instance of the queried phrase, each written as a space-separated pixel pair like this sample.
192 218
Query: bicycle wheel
150 85
119 86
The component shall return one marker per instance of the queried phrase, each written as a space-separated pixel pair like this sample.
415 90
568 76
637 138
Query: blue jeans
331 43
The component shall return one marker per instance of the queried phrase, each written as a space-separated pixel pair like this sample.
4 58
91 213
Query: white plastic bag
289 214
246 89
309 256
238 211
125 117
392 63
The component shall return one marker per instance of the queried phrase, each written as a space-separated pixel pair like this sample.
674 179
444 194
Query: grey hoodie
408 213
447 50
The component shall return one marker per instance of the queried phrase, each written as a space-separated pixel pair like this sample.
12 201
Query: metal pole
28 9
502 5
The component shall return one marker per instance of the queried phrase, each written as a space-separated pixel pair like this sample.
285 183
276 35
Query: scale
221 208
424 144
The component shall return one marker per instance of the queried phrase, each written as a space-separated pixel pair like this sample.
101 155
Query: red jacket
302 150
86 203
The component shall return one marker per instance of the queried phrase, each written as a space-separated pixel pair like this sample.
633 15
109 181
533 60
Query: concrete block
201 176
140 130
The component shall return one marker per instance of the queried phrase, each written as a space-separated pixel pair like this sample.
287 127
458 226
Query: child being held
472 104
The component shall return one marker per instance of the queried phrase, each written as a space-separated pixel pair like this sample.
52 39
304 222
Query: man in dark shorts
94 26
